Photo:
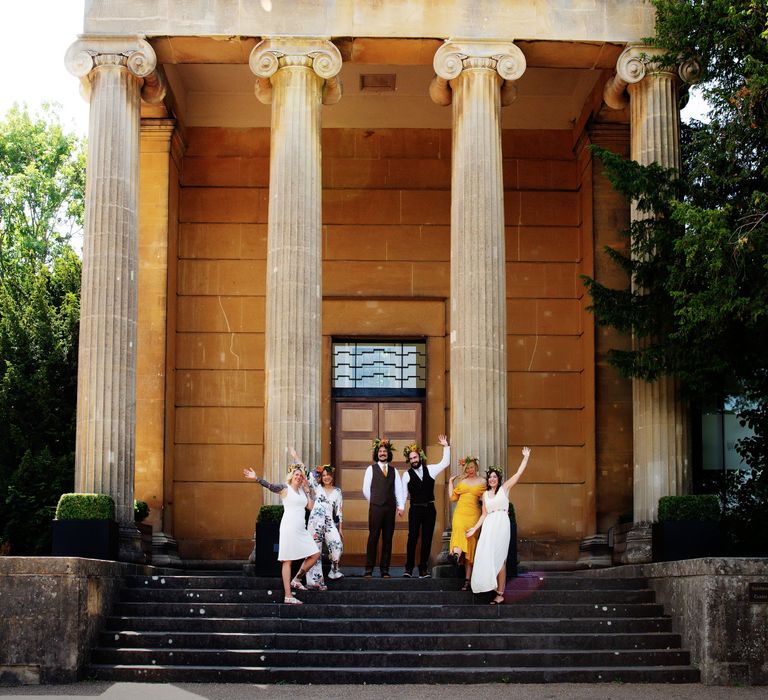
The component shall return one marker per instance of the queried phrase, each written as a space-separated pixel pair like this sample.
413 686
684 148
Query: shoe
333 574
385 574
496 600
466 585
406 574
455 558
368 574
426 574
297 585
290 600
318 587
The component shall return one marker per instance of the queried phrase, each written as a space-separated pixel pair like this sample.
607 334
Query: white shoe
334 574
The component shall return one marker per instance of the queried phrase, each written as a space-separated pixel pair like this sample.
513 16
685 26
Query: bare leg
501 582
286 572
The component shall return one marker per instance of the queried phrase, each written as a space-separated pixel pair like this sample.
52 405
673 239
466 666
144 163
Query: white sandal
290 600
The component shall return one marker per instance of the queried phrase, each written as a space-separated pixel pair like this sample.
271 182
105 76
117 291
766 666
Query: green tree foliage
42 176
698 303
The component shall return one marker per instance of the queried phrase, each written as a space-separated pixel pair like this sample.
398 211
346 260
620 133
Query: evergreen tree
42 176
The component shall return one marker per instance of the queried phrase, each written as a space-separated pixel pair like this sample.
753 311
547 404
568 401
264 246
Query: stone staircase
552 628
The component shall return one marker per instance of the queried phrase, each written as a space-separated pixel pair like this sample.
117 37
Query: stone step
524 582
444 612
389 625
276 658
392 642
391 598
344 675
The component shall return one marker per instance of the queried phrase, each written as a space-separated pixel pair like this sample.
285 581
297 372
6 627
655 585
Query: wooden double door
356 424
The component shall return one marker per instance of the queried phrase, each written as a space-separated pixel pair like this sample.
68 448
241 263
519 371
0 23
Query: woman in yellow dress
468 493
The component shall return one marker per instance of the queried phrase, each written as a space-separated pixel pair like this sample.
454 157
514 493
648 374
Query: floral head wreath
293 466
464 461
325 468
413 447
383 442
495 470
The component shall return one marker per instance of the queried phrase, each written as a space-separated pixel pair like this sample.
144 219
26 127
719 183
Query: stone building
311 222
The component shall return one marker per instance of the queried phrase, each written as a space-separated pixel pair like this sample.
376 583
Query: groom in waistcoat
419 486
382 489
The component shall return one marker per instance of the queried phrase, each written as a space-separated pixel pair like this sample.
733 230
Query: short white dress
493 545
295 541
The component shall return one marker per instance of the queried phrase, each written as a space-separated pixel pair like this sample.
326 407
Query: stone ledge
708 600
53 608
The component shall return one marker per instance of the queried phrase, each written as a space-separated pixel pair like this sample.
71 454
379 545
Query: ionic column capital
637 62
133 53
457 55
274 53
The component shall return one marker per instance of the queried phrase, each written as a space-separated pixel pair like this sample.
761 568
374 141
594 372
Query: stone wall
52 610
708 600
386 233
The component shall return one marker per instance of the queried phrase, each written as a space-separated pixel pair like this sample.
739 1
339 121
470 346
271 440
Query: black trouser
421 519
381 522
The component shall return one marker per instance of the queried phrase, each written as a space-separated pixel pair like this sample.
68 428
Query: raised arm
274 488
435 469
509 483
451 490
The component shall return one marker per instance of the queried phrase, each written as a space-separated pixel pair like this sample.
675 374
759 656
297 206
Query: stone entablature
557 20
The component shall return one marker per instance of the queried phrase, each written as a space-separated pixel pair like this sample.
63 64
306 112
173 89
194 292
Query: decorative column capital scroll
319 54
635 63
133 52
456 55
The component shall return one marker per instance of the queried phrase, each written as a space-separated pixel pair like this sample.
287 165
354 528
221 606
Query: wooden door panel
356 425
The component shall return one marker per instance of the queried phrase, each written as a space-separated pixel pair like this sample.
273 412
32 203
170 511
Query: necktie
384 469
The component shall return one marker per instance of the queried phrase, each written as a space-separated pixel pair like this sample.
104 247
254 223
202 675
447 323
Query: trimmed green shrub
270 514
140 511
705 508
85 506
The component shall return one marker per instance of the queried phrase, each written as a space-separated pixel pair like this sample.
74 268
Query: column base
129 547
165 550
632 543
594 552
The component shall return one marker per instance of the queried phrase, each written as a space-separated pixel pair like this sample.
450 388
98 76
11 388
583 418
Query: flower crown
325 468
464 461
494 469
413 447
383 442
293 466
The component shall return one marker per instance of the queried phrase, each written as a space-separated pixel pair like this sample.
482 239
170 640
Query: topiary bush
85 506
140 511
270 514
705 507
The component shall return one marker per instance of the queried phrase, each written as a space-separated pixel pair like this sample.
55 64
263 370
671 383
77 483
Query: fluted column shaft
476 74
661 433
106 384
113 73
294 255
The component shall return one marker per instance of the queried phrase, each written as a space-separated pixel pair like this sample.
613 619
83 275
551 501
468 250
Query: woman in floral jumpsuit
325 524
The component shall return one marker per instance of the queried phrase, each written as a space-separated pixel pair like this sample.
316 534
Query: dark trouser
421 519
381 522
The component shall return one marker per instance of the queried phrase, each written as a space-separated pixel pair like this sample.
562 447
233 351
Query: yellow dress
467 513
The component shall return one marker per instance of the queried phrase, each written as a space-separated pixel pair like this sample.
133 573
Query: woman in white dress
295 542
490 570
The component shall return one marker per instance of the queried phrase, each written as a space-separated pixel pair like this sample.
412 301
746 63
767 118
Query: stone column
297 76
477 77
661 431
116 72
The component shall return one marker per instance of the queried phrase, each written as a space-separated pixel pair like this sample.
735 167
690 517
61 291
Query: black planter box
512 552
265 561
90 539
686 539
